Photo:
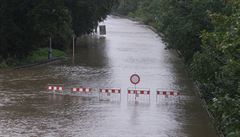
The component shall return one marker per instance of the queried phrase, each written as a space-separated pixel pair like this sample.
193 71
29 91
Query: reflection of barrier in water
109 94
138 94
167 94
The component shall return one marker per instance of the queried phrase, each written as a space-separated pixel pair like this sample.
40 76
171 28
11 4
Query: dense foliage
26 25
207 33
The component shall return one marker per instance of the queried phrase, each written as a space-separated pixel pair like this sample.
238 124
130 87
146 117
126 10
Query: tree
26 25
86 14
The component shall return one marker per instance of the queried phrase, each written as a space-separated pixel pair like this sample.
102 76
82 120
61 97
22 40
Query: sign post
50 49
135 79
73 51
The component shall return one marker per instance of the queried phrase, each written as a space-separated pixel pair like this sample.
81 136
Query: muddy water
129 47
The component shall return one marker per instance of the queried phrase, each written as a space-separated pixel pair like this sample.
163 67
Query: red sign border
139 79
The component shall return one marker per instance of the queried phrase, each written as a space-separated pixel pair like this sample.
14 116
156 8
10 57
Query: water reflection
91 52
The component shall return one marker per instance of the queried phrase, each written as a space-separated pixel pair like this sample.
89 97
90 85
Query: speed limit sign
135 79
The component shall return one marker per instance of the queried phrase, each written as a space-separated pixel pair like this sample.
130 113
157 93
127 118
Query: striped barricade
82 91
55 88
142 94
109 93
167 93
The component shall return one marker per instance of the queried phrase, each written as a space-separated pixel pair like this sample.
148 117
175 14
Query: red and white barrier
55 88
105 93
142 94
84 90
137 94
168 93
139 91
110 90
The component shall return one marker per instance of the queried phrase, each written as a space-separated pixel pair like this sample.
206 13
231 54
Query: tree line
26 25
207 33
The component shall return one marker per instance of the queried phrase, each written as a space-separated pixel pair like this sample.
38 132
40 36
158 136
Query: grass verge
42 54
36 56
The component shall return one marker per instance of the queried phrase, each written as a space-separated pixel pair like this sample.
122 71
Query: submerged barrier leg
99 94
120 96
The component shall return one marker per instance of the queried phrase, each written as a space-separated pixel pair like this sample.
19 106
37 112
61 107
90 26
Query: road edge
44 62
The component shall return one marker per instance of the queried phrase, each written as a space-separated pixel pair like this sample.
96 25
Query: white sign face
135 79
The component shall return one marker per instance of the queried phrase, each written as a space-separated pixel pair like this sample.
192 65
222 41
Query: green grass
42 54
36 56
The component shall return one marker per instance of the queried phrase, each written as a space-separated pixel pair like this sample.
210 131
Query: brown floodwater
129 47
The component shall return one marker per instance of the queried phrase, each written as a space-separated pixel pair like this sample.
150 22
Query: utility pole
73 54
50 48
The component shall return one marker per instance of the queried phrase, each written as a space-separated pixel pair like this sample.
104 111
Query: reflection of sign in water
102 29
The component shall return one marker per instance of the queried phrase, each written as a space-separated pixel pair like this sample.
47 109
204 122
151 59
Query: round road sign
135 79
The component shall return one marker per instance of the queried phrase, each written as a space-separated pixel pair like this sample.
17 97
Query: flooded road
128 48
